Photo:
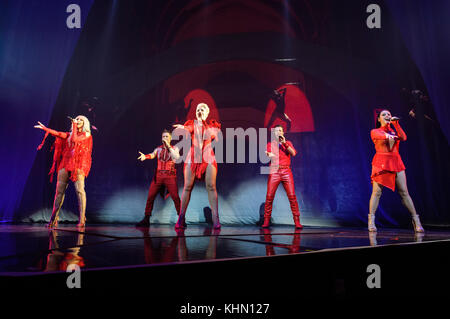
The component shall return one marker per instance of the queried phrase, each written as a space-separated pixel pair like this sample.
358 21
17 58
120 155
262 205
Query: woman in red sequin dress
388 169
200 162
72 160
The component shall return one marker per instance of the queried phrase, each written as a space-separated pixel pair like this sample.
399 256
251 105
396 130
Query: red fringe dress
72 156
387 161
201 152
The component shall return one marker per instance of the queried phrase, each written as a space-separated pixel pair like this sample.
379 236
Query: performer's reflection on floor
373 238
163 251
176 249
211 251
59 259
270 247
418 237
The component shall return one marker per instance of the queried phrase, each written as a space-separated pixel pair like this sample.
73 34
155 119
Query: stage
321 261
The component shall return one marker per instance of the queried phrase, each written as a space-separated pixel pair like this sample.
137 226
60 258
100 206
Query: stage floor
31 249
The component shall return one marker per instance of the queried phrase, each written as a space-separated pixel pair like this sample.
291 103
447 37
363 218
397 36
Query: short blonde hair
204 105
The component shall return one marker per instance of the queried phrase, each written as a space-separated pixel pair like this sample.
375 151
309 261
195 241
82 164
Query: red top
165 161
387 158
283 158
72 155
387 161
201 152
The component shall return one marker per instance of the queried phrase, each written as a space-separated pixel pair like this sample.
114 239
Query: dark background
134 66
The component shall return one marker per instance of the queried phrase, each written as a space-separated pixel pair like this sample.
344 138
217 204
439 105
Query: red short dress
74 156
201 152
387 161
71 153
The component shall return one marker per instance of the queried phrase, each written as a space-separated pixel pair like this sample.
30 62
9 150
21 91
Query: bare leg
61 186
81 195
210 181
373 204
375 198
189 179
402 190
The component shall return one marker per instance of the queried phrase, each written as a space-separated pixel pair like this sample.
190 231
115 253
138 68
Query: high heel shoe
297 222
371 225
145 222
266 223
82 222
181 222
216 221
53 223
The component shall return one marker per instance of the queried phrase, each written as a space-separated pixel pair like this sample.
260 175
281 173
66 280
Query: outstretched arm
50 131
179 126
188 126
142 157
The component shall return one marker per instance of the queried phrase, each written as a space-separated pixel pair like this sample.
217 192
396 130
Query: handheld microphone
70 118
395 118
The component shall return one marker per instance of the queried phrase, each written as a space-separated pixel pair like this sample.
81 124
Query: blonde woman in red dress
72 160
388 169
200 162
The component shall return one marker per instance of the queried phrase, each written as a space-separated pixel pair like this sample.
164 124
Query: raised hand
141 157
40 126
270 154
178 126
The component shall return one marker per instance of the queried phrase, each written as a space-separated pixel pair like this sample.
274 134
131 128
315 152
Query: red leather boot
266 223
297 222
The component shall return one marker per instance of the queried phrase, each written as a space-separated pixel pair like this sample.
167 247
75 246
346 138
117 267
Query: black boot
145 222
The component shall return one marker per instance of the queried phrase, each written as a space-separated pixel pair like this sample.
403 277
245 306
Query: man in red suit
165 177
279 150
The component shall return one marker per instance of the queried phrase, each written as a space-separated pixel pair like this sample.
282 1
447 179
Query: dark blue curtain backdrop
136 64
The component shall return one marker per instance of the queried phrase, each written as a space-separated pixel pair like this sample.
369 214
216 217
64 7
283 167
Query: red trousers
161 180
284 176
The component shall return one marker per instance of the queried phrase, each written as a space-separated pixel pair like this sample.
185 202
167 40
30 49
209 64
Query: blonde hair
204 105
86 127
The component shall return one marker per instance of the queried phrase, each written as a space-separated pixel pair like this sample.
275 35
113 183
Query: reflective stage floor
32 250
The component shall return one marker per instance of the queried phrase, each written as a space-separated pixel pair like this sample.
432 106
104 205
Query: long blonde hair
86 127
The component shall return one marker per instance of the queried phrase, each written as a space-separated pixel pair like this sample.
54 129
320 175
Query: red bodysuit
387 161
201 153
74 155
165 177
280 172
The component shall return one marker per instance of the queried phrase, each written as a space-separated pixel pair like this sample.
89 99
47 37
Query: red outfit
72 154
165 177
201 153
280 172
387 161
